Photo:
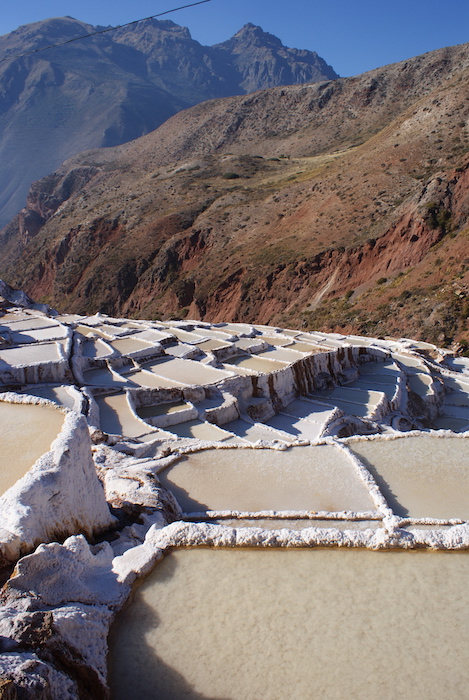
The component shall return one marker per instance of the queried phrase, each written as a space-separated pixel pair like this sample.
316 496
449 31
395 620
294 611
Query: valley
332 206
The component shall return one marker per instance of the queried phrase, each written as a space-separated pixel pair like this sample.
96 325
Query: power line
102 31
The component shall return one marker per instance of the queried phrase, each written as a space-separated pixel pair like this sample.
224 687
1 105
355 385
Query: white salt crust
59 495
82 586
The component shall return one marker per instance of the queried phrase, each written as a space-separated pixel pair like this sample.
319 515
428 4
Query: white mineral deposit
308 489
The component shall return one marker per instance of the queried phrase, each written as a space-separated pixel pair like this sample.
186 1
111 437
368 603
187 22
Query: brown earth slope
338 205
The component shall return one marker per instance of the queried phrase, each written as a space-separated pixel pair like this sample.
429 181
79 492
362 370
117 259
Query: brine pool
27 432
270 624
320 478
422 476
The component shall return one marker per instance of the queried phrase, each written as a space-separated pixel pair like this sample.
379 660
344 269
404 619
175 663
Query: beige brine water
420 476
129 345
27 432
308 624
117 418
319 478
254 363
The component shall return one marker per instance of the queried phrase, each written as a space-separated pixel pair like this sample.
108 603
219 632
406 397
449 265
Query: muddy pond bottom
326 624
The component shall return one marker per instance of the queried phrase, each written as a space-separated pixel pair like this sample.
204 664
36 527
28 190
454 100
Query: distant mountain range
111 88
341 205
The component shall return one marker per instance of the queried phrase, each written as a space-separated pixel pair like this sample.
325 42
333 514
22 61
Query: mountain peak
265 62
252 34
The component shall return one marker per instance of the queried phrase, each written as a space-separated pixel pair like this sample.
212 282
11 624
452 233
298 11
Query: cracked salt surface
320 447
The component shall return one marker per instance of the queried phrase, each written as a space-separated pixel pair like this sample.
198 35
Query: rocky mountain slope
338 206
110 88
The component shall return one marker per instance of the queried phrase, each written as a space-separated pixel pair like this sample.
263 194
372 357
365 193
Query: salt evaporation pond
146 378
30 354
186 371
129 345
93 347
254 363
58 394
116 416
27 433
261 624
301 623
420 476
200 430
319 478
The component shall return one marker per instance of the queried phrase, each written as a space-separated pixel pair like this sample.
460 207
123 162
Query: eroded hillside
333 205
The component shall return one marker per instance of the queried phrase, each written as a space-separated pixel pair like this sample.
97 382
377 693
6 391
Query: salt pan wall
58 496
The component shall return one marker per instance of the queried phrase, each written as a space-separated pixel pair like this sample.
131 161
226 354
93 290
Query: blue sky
352 36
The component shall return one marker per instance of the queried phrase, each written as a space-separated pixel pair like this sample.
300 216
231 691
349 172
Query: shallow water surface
254 364
200 430
30 354
270 624
186 371
117 418
93 347
149 380
161 409
58 394
27 432
129 345
212 344
421 476
301 478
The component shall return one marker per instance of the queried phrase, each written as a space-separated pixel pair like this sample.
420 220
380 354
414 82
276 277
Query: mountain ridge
108 89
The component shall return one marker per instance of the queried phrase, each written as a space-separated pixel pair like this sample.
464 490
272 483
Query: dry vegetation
282 207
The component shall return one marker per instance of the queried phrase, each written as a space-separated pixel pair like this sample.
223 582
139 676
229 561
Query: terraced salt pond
93 347
27 433
254 364
200 430
420 476
148 379
129 345
116 416
161 409
301 623
314 455
30 354
186 371
60 395
320 478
